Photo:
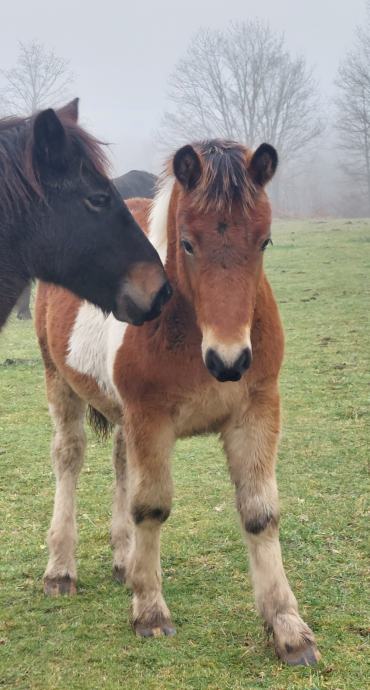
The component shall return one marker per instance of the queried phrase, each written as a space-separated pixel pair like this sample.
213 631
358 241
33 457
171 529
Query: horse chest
207 409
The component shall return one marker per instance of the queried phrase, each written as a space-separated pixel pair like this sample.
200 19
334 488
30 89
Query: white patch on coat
158 217
93 345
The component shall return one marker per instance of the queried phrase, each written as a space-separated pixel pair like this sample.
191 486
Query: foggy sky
122 53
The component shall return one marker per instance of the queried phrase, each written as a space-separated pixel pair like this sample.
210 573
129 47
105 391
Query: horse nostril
214 363
244 361
228 372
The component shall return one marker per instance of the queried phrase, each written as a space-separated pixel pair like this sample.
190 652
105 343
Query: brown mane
225 177
20 182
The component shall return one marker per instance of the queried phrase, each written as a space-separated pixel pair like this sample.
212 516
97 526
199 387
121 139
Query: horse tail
100 424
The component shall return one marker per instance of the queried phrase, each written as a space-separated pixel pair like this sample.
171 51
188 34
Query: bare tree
243 84
353 115
39 79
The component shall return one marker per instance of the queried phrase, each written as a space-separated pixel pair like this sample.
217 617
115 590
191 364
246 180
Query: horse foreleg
122 524
149 445
68 446
251 446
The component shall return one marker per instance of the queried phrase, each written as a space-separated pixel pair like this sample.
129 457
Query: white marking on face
158 217
93 345
229 353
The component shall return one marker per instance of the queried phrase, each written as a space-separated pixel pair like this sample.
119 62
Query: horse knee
151 497
257 523
145 512
259 511
68 451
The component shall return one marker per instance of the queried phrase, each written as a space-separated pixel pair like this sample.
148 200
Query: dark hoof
55 586
119 574
154 629
308 655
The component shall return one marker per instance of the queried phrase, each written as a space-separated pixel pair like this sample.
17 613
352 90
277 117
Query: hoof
154 629
305 655
119 574
294 641
55 586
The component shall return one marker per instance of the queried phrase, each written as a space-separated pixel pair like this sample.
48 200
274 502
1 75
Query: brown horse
180 375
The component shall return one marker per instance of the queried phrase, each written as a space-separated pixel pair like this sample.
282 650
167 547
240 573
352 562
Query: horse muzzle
228 371
142 295
136 316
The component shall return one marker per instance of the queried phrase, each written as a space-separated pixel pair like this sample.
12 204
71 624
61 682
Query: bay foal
210 363
62 220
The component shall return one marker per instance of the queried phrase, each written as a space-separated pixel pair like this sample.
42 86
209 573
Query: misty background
121 58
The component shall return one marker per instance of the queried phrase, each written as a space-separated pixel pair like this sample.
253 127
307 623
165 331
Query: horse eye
187 246
266 243
98 201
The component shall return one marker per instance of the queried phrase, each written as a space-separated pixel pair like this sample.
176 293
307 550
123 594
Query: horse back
140 209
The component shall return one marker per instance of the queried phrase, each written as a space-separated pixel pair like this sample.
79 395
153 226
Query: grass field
320 272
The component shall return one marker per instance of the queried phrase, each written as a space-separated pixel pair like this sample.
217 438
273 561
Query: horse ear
69 111
50 141
187 167
263 164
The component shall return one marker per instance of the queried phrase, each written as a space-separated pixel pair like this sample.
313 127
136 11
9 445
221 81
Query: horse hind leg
68 446
122 524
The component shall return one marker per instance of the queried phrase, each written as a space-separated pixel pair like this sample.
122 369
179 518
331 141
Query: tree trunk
23 304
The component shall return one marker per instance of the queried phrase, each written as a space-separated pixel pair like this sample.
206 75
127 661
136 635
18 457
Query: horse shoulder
56 310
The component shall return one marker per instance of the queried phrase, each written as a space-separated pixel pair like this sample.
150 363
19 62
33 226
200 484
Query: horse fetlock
294 641
151 616
60 564
62 551
60 578
61 574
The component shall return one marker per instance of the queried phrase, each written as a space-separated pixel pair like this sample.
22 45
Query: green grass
320 274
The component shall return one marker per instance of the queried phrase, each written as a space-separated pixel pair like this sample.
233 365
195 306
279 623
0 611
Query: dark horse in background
136 183
63 221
